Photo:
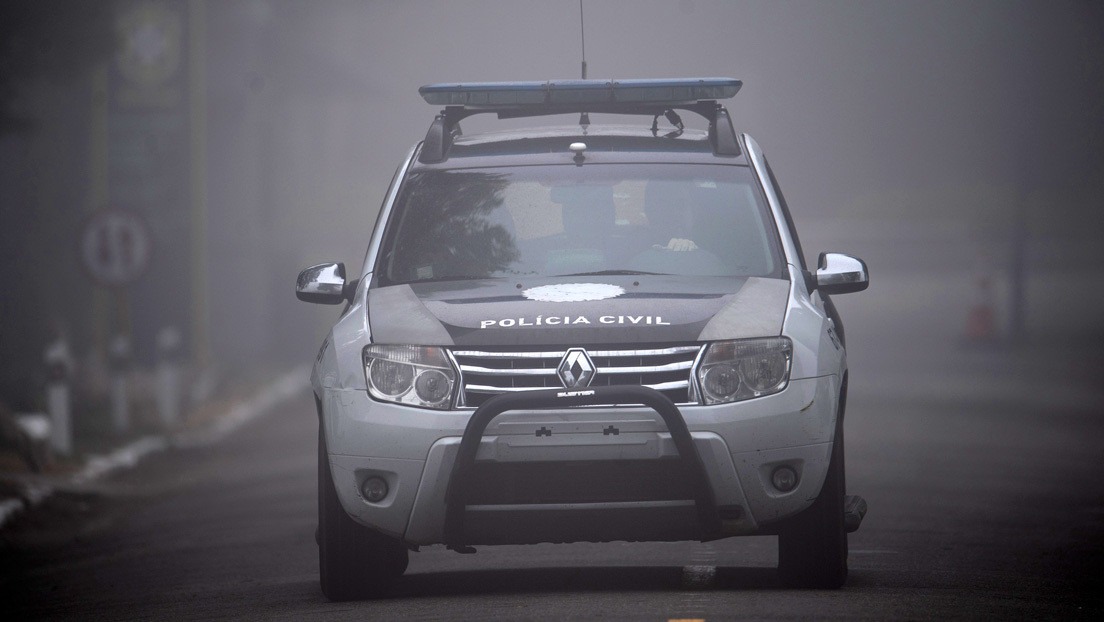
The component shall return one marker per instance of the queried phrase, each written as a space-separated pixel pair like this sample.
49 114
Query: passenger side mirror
841 274
323 284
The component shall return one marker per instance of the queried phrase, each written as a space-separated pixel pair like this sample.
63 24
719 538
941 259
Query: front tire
812 548
354 562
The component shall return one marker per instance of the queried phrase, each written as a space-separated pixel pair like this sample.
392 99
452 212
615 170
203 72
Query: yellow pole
98 197
197 101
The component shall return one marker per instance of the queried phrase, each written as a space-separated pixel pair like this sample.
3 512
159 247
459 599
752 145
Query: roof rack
532 99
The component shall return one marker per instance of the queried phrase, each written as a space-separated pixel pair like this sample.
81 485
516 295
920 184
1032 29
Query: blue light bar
574 92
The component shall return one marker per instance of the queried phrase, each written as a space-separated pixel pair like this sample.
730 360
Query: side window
786 214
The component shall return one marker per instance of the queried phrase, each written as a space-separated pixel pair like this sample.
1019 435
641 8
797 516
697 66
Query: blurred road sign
115 247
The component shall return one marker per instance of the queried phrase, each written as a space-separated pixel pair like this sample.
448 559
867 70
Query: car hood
565 311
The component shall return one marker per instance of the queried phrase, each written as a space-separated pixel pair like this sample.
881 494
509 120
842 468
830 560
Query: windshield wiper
615 272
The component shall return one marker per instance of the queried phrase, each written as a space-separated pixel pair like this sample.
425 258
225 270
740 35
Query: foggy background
922 136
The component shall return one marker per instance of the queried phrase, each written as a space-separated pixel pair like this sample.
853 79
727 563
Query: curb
260 404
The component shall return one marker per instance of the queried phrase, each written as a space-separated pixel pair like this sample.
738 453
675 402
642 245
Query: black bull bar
456 494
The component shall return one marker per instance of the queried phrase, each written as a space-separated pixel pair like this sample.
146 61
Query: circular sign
115 247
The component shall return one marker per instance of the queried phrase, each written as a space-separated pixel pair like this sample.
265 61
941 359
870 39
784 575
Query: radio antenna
582 36
584 118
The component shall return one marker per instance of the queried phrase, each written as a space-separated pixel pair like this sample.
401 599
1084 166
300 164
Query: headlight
740 370
412 375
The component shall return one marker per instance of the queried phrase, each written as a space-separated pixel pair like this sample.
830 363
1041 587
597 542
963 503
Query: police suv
591 333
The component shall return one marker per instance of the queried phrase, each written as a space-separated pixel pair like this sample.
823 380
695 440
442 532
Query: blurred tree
43 44
51 40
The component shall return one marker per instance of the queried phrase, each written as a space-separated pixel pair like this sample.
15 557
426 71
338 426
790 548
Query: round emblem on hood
573 292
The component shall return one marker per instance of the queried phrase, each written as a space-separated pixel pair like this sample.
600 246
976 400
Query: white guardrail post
168 376
119 362
59 371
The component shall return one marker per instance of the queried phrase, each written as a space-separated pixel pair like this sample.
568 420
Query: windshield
700 220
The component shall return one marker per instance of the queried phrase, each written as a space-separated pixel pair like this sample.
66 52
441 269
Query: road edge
262 402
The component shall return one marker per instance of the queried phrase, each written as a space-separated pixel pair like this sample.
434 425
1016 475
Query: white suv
584 333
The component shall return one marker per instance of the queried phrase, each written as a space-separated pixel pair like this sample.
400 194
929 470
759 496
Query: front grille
486 373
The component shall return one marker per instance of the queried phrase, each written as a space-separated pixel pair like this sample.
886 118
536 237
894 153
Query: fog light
374 489
784 478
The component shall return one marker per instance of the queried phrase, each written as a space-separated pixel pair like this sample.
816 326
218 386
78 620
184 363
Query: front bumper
739 444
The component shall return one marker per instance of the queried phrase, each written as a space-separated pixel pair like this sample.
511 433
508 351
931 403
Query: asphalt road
977 510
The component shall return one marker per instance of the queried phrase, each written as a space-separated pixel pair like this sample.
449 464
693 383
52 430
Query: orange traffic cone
981 322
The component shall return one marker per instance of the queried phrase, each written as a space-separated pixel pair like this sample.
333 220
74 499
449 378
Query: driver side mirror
323 284
841 274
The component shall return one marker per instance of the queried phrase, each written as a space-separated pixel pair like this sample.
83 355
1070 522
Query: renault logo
576 369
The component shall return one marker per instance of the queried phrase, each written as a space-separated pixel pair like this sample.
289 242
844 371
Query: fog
918 135
909 133
167 167
881 109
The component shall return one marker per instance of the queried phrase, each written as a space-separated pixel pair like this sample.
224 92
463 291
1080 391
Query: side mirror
323 284
841 274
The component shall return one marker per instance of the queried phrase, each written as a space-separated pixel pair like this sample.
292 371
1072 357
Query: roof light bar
531 99
574 92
